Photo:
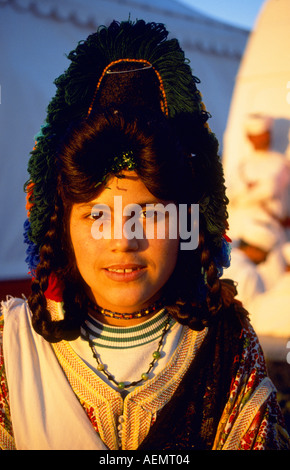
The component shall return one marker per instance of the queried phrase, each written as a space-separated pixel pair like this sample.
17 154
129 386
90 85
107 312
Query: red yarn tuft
55 289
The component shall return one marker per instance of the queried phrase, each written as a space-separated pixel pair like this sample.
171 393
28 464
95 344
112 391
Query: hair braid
75 305
200 299
52 259
37 300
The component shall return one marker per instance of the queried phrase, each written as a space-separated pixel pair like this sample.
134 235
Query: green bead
101 367
144 376
156 355
121 385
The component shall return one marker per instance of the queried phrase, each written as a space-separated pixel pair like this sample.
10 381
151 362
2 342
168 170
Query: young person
129 339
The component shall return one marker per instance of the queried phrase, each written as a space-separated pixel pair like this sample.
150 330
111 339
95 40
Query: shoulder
15 314
11 305
251 348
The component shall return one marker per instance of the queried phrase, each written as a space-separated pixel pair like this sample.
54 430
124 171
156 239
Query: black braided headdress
85 85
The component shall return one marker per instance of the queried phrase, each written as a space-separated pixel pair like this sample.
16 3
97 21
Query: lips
127 272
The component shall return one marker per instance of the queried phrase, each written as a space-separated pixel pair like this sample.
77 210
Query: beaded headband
146 66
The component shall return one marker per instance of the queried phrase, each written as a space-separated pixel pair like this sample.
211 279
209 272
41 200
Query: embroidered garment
132 346
139 408
250 420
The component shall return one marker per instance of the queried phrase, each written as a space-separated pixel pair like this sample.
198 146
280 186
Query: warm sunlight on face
124 274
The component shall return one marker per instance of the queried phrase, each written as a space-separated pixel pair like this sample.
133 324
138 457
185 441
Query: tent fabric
36 35
262 85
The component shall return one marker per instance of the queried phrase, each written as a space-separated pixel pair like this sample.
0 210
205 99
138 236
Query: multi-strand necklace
145 375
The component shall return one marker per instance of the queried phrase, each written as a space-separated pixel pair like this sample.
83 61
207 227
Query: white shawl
45 412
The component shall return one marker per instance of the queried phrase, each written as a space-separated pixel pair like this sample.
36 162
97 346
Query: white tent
35 35
263 84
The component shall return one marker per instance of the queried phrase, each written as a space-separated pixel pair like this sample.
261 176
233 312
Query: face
128 273
255 254
261 141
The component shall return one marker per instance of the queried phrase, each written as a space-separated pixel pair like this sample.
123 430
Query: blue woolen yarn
223 260
32 250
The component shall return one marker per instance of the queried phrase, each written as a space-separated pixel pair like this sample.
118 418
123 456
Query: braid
37 300
212 282
52 260
75 305
199 289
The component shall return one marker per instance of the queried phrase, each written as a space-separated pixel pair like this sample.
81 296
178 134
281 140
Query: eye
100 215
96 216
148 213
100 211
153 214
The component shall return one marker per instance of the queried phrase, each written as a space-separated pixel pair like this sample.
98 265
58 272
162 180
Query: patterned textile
207 413
251 418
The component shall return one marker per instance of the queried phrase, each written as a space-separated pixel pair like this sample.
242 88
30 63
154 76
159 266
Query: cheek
165 255
84 246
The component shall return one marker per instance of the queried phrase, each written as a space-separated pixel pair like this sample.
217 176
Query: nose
123 238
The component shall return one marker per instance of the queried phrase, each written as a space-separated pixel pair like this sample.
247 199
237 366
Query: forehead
128 185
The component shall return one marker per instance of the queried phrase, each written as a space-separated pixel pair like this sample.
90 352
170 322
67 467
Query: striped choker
126 337
126 316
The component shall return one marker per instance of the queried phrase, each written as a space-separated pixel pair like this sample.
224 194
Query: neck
124 319
119 322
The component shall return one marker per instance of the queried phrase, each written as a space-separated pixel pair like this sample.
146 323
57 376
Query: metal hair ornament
128 71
